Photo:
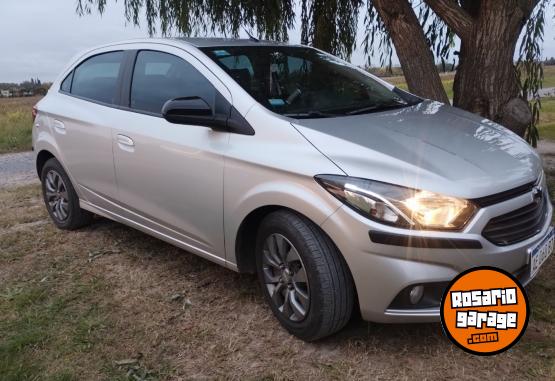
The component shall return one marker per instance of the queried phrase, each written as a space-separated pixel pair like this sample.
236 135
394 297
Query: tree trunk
416 58
486 82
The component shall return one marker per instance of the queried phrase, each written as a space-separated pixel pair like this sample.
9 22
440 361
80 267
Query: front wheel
304 278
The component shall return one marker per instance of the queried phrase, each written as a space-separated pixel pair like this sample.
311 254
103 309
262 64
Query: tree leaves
271 19
529 68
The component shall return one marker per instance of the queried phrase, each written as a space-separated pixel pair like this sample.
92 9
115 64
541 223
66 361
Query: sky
39 37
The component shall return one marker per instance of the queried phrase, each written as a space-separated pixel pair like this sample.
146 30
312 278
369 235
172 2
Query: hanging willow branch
530 69
330 25
271 19
440 39
377 39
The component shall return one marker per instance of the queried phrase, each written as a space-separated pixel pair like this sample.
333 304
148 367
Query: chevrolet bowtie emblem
537 192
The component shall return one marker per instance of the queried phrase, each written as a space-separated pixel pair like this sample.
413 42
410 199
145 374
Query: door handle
125 141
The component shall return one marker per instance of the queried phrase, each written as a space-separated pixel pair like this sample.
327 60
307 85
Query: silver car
339 190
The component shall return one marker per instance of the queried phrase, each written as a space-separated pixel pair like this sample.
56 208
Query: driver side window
159 77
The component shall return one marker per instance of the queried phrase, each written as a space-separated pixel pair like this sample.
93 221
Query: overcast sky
38 37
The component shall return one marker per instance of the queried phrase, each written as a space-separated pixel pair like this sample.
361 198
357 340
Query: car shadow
357 332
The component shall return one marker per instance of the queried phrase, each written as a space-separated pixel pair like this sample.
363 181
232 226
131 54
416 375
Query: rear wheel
304 278
60 198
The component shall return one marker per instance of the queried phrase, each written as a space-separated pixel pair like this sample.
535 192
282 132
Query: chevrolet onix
339 190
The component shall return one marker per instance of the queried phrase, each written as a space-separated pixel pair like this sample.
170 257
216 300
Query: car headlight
399 206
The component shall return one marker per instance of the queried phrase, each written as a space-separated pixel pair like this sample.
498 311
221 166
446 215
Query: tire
328 287
60 198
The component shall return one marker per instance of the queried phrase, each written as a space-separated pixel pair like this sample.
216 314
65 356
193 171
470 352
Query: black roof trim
222 42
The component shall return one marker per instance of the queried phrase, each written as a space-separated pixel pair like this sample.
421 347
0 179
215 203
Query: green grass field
16 123
547 119
549 76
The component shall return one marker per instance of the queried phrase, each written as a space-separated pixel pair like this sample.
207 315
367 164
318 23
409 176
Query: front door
170 176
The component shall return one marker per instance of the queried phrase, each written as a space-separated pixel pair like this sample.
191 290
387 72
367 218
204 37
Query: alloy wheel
57 195
285 277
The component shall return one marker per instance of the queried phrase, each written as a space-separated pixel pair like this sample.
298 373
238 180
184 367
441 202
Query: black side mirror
194 111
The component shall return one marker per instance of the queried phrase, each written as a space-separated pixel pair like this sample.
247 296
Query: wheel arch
42 157
245 242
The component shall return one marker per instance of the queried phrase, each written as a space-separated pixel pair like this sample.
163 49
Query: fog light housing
415 294
419 296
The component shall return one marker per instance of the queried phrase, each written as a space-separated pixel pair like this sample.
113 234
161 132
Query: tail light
34 112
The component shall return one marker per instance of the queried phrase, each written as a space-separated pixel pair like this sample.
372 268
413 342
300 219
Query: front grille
519 224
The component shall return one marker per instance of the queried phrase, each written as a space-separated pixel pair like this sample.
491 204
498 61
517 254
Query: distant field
547 119
549 76
16 123
448 79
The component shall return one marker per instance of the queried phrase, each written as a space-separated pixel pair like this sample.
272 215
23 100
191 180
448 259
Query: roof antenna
251 37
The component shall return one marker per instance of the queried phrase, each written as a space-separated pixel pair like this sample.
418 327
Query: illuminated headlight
399 206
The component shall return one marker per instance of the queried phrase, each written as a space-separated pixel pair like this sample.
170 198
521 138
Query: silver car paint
148 185
429 146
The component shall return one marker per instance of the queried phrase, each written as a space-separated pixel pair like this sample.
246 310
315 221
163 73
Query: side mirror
194 111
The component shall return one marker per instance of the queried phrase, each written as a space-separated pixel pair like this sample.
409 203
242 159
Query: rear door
81 121
170 176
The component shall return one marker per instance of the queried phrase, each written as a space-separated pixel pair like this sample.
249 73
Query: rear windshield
302 82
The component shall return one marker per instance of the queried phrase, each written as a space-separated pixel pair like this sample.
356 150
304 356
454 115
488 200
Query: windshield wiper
310 115
376 108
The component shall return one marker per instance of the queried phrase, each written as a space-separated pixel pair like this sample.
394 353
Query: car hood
429 146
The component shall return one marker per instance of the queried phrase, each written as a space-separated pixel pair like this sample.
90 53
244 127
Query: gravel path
547 92
17 169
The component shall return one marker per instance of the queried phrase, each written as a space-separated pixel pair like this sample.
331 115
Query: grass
547 119
16 123
549 76
110 303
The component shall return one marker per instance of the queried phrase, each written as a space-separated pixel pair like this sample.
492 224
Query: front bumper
382 271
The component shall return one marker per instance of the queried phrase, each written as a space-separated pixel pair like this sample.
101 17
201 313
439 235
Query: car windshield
302 82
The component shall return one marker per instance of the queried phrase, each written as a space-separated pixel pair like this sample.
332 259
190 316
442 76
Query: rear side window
66 84
97 78
159 77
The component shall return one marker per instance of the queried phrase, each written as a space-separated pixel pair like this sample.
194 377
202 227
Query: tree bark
416 58
486 82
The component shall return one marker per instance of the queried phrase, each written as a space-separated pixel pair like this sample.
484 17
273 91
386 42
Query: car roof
229 42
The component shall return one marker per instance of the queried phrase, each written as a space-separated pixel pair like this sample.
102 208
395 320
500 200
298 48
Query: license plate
540 252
